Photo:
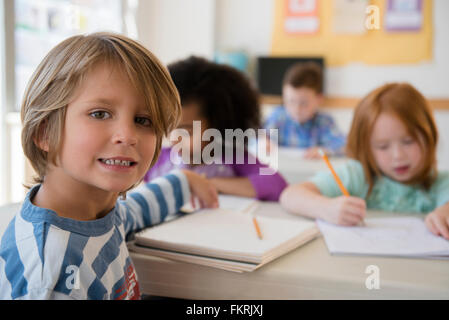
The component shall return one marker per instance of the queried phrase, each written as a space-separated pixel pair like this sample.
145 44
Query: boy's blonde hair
63 70
409 105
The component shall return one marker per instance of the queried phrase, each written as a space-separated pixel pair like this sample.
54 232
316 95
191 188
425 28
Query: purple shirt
267 187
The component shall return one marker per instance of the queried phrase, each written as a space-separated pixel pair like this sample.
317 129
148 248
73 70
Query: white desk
293 167
309 272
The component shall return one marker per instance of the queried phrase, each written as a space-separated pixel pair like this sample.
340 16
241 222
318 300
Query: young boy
299 122
94 115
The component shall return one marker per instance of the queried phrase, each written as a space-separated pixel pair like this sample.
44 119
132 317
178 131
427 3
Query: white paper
235 203
219 230
402 236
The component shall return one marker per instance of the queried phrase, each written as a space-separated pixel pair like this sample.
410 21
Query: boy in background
299 120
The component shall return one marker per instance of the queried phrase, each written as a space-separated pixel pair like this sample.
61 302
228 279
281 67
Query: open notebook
224 238
398 236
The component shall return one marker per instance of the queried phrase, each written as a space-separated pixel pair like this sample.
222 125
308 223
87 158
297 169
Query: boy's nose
125 134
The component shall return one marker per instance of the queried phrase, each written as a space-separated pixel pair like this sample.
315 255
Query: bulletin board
374 47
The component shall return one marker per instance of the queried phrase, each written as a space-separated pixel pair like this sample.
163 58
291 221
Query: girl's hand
438 222
201 189
346 211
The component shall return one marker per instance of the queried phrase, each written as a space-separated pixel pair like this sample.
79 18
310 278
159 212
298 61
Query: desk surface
308 272
294 168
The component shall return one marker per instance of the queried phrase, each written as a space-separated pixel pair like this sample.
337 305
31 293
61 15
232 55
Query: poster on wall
404 16
349 16
302 17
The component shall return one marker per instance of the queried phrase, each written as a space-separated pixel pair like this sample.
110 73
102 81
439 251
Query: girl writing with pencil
392 167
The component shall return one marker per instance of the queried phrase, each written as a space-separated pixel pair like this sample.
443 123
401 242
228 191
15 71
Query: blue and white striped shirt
45 256
320 131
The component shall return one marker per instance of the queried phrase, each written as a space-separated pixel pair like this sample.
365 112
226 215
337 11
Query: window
30 28
40 25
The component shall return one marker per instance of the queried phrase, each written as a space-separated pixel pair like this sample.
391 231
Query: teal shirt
387 194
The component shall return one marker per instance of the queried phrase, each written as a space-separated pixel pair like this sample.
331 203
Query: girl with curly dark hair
218 102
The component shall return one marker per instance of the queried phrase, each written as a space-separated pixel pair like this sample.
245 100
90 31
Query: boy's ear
41 140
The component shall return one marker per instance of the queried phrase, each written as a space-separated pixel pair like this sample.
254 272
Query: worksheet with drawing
401 236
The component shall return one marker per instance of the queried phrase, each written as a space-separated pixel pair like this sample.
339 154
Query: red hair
409 105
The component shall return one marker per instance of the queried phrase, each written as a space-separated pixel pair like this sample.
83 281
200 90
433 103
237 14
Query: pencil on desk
337 179
251 210
256 225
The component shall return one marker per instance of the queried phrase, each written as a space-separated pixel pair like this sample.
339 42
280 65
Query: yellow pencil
337 179
256 225
250 210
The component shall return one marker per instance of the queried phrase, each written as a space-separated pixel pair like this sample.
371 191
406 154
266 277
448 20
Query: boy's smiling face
108 138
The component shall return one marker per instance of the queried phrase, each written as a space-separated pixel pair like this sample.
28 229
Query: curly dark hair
225 96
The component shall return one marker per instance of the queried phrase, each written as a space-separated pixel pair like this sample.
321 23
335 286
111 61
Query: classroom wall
174 29
247 25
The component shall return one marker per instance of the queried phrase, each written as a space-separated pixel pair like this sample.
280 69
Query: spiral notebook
224 238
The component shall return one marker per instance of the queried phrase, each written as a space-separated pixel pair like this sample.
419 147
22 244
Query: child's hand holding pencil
344 210
347 211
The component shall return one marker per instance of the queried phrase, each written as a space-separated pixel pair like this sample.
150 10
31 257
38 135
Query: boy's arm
153 202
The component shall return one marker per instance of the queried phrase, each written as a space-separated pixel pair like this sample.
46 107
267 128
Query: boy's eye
100 114
143 121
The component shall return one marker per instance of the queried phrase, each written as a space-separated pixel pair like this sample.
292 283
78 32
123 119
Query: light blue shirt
387 194
320 131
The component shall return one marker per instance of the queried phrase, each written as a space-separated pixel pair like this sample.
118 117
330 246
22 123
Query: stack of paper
402 237
224 238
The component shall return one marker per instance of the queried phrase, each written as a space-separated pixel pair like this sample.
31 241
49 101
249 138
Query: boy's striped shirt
44 256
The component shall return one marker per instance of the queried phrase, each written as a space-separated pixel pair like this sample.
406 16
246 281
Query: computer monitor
270 72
